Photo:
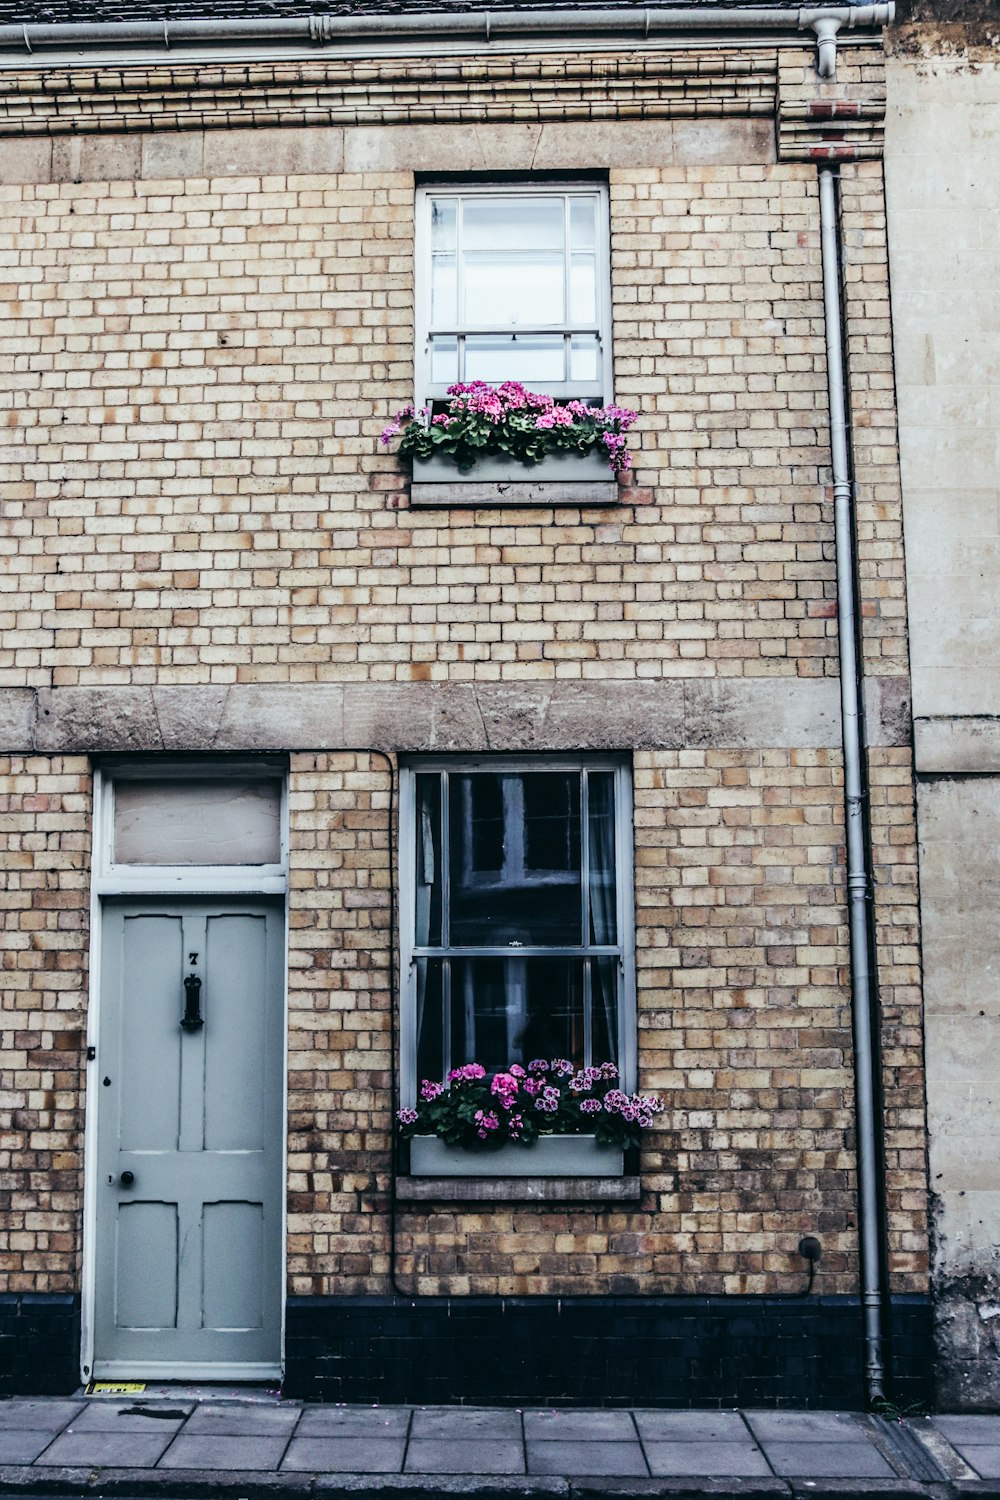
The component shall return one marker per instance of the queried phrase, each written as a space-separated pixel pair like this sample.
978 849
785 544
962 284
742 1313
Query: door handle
125 1180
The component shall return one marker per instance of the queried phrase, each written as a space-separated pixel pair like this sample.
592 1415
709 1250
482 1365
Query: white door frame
162 881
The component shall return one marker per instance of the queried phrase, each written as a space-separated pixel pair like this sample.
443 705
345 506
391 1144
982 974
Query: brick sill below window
518 1189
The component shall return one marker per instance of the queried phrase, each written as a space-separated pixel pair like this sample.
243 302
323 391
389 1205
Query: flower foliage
482 419
483 1110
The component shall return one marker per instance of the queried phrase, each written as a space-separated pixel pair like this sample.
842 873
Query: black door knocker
192 1019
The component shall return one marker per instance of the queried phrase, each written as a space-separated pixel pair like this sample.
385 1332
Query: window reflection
530 863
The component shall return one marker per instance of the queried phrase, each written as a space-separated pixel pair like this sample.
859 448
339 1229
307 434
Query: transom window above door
514 284
517 916
185 825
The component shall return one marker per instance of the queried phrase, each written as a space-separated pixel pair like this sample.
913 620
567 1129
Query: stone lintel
442 717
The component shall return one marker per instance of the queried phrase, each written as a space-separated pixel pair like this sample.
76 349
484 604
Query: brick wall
198 367
44 918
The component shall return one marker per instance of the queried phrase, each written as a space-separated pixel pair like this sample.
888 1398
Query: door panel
188 1255
147 1236
233 1242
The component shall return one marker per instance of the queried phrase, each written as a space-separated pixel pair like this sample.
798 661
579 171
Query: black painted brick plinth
681 1352
39 1344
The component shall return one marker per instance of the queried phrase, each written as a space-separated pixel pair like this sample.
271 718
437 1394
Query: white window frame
426 390
625 898
111 879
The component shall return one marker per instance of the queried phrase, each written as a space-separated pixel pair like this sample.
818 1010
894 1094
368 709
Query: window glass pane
533 222
444 289
511 1010
502 289
444 361
444 221
515 859
534 360
210 822
585 359
604 1010
583 289
583 223
432 1058
427 879
602 901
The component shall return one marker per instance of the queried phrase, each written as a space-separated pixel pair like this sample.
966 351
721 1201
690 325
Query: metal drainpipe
481 26
858 880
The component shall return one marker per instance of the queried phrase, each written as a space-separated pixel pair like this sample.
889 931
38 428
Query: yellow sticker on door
115 1388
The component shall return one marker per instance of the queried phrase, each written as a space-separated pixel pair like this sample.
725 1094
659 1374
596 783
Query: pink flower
590 1106
407 1116
538 1065
429 1090
562 1067
504 1084
516 1071
533 1086
486 1123
469 1073
388 433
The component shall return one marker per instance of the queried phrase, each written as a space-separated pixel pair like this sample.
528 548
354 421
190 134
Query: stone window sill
518 1189
487 493
560 479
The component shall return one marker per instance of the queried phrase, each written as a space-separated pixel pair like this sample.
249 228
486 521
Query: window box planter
548 1156
560 479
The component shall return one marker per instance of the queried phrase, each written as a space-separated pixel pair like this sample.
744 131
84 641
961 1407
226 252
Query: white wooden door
188 1245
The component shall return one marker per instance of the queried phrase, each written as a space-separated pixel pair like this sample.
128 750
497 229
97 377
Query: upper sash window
514 284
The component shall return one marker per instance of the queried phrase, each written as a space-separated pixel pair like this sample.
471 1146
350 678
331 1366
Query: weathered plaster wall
943 135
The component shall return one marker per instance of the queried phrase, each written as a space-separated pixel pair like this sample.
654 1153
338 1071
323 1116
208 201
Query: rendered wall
943 134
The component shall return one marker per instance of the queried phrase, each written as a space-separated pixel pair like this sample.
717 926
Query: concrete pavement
198 1445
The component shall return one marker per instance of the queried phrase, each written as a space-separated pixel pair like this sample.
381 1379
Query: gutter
480 27
867 1052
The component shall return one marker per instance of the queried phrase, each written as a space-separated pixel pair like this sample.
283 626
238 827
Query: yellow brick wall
44 918
744 1029
192 486
192 493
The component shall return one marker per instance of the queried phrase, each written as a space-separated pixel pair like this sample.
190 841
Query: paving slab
969 1428
983 1457
23 1447
692 1426
461 1455
804 1426
42 1416
129 1416
354 1421
593 1459
106 1450
589 1426
229 1420
827 1460
206 1451
345 1455
466 1422
712 1460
